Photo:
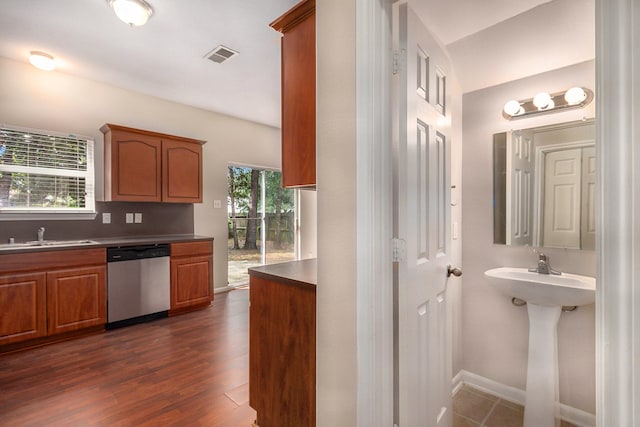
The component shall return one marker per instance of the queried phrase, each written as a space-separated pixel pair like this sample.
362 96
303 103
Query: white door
520 167
562 194
422 130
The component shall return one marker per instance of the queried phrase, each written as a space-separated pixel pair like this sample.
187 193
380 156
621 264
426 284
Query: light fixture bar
558 102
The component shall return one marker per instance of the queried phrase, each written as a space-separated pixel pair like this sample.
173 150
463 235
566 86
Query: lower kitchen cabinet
47 293
191 276
23 307
282 344
76 299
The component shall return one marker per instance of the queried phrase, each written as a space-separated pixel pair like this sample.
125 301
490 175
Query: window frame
54 213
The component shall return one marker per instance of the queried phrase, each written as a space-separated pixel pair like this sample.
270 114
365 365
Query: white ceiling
165 57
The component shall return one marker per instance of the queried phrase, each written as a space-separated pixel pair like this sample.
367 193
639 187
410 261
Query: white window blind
45 172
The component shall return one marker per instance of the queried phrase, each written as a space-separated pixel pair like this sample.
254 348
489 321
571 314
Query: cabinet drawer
191 248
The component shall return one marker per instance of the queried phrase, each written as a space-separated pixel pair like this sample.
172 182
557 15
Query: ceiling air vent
220 54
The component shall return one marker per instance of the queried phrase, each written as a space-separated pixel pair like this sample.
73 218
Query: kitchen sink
45 244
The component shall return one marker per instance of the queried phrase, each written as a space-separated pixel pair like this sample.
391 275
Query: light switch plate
106 218
128 218
217 204
137 218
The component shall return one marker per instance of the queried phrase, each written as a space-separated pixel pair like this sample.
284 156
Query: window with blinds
43 171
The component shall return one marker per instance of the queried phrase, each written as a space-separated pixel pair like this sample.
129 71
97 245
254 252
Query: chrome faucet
41 234
543 266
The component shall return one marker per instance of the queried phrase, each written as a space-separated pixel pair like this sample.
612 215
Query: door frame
374 305
618 212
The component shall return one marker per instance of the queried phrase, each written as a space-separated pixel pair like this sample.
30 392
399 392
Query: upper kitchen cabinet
298 28
145 166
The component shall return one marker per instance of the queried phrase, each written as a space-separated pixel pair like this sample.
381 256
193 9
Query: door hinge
399 249
398 60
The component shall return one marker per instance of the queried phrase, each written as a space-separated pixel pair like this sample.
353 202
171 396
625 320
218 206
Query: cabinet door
76 298
299 102
22 307
181 171
191 282
135 167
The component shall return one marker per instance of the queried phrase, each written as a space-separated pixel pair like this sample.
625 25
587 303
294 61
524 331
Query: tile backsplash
157 218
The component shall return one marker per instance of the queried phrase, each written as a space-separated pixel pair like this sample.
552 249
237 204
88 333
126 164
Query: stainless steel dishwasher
137 284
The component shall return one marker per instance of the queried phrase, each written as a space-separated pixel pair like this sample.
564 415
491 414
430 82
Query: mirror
544 186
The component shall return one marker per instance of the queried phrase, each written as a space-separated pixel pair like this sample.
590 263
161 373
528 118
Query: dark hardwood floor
188 370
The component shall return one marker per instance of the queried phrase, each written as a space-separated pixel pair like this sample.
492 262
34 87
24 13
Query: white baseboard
222 289
515 395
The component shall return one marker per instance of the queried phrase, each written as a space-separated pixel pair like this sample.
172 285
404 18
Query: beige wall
60 102
336 171
495 332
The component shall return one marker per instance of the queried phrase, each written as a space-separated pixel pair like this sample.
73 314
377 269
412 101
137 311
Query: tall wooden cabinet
145 166
298 28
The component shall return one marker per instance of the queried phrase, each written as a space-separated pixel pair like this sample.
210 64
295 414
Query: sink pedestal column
540 409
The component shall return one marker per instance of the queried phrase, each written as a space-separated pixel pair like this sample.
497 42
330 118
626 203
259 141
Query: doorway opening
262 220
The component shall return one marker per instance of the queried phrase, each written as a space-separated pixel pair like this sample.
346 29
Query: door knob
455 271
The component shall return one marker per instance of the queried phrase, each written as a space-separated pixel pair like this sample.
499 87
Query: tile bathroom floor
474 408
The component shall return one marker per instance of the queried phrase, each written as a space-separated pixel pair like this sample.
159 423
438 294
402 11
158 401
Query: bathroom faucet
41 234
543 266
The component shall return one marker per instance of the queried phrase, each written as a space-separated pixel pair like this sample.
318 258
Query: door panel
588 222
520 171
422 221
562 189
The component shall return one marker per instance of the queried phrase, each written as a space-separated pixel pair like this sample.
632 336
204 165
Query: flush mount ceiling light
543 102
132 12
42 61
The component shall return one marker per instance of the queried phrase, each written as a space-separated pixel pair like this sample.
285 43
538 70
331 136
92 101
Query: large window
45 172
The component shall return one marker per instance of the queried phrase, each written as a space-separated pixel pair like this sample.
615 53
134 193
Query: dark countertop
109 242
300 273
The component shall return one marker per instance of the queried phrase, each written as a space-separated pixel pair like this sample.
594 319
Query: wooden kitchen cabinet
145 166
282 344
191 276
181 171
298 28
46 294
23 309
76 299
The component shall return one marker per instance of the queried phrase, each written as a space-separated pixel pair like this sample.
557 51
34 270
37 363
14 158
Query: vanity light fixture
543 102
132 12
42 61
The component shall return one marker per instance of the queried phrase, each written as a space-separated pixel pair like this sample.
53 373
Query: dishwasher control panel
126 253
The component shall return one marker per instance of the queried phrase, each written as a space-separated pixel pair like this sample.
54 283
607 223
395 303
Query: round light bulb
132 12
575 96
542 101
42 61
513 108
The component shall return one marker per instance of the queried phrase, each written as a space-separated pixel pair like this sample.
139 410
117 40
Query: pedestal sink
545 295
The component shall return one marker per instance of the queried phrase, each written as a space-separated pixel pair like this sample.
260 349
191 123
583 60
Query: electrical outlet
106 218
128 218
217 204
137 218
